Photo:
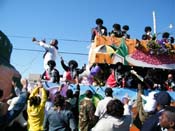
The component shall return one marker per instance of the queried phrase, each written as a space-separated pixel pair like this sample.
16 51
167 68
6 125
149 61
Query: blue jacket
152 123
59 121
16 110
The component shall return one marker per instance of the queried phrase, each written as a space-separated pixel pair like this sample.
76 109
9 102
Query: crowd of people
30 108
33 110
119 32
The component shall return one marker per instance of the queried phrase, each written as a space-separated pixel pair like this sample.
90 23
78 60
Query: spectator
49 103
6 117
59 118
127 105
36 107
87 110
25 85
167 118
113 120
99 30
150 104
72 99
101 106
15 89
51 50
144 110
163 99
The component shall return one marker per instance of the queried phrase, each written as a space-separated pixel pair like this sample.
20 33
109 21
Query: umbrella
104 49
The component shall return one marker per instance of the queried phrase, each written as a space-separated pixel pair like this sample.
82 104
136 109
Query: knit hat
163 98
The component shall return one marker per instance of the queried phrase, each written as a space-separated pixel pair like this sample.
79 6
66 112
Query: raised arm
34 92
44 97
65 67
43 44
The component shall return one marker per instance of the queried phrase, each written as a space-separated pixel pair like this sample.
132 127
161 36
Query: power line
30 37
61 52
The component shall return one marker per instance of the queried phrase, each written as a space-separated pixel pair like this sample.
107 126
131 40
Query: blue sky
68 20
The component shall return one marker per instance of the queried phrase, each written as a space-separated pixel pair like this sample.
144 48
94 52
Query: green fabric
123 50
95 99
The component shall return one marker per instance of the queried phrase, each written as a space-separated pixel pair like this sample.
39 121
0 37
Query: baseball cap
163 98
108 91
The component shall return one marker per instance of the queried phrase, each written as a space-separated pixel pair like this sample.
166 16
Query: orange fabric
134 128
131 43
109 40
103 58
101 40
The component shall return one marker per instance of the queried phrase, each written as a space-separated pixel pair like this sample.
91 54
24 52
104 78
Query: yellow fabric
36 114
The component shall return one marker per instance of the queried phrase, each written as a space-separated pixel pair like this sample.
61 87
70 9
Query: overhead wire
69 40
60 39
61 52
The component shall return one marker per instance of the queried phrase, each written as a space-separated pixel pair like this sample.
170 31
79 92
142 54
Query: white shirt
110 123
150 102
127 109
101 106
50 55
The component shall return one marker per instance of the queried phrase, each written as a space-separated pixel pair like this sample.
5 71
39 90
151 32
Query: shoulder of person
67 113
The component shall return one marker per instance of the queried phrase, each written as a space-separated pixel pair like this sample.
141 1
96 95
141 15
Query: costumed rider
99 30
99 74
51 50
72 71
165 39
116 31
116 78
147 35
51 74
125 30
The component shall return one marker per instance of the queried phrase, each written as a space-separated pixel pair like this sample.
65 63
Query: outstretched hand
34 39
84 67
61 58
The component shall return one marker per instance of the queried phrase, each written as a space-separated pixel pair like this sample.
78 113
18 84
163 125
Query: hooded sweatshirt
36 113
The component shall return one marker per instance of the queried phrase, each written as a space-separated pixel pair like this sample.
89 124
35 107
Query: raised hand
34 39
138 76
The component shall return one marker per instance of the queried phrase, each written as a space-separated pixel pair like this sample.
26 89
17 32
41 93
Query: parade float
133 52
104 50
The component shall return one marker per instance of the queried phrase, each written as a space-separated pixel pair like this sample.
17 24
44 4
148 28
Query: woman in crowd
113 120
58 118
36 108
